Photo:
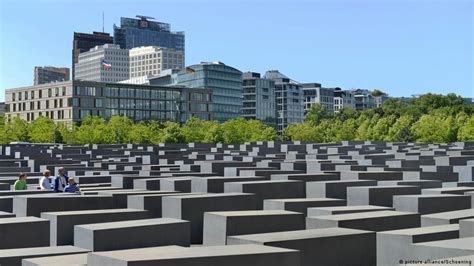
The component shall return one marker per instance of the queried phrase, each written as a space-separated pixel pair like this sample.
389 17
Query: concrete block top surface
306 200
452 214
422 230
5 253
352 207
60 196
86 212
139 253
75 259
363 215
210 195
431 196
299 234
131 223
138 192
263 182
253 213
464 243
18 220
163 253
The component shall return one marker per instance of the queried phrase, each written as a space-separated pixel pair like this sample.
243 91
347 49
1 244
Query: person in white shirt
44 182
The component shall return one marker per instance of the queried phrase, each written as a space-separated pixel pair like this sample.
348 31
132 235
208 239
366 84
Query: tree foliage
428 118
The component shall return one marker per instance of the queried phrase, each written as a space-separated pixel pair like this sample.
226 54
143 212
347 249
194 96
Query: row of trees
120 129
429 118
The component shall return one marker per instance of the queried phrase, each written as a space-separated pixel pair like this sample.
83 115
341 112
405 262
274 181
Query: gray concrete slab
431 203
371 221
321 211
273 189
34 205
76 260
215 184
446 217
193 207
466 227
23 232
330 246
62 223
13 257
219 225
300 204
334 189
397 244
132 234
378 195
249 255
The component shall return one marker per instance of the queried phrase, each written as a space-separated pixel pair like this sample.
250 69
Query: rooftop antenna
103 21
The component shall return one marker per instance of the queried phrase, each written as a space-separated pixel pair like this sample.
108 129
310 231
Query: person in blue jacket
60 180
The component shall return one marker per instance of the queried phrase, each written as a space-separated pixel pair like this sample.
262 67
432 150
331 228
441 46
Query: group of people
61 182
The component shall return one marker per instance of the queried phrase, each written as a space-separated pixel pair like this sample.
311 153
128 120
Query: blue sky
402 47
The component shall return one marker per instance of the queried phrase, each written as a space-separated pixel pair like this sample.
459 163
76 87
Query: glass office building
143 32
224 81
289 100
259 98
72 101
49 74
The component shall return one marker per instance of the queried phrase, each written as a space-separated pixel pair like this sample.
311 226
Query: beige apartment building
152 60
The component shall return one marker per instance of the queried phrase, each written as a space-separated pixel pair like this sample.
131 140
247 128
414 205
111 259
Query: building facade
152 60
83 42
343 99
2 108
314 93
73 100
363 99
289 100
143 32
224 81
380 99
49 74
258 98
106 63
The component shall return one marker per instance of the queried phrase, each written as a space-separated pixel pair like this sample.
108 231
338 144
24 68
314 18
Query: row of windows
155 55
156 61
27 95
38 105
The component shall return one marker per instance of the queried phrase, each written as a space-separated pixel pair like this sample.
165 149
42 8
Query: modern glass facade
50 74
142 32
259 98
224 81
289 100
314 93
72 101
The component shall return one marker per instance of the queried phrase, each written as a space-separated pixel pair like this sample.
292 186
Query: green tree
197 130
16 130
317 113
119 127
303 132
42 130
400 130
171 133
381 128
377 92
347 113
346 130
431 128
141 133
466 130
